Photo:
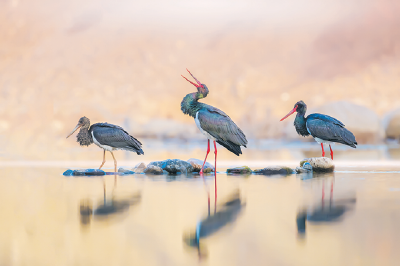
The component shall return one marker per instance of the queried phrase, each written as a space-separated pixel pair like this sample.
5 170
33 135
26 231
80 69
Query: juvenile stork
107 136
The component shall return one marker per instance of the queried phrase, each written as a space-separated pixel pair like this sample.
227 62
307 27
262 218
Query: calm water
350 217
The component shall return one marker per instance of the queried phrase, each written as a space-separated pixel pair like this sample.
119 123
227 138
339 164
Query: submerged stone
197 164
274 170
139 168
84 172
125 171
319 164
153 170
173 166
239 170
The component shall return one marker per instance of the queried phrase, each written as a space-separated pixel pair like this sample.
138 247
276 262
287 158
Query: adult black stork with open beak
212 122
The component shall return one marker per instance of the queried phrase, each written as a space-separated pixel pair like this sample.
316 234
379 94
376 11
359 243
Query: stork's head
300 107
83 122
202 89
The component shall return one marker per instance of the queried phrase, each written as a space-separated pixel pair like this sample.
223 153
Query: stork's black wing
330 129
222 128
116 137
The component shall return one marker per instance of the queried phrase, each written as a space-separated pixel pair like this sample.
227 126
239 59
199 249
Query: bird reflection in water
107 209
335 210
227 213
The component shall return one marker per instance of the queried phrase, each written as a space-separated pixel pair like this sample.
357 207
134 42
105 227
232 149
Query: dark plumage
323 128
116 137
212 122
107 136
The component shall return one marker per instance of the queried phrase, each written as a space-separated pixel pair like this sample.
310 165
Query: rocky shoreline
193 166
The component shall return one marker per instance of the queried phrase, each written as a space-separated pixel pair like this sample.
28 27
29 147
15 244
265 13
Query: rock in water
174 166
69 172
84 172
306 168
274 170
197 164
153 170
139 168
239 170
125 171
319 164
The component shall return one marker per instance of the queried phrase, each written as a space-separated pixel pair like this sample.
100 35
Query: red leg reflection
215 171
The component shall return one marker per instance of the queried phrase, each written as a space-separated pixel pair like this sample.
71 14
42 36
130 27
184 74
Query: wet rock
274 170
153 170
306 168
69 172
139 168
367 128
196 164
392 124
84 172
239 170
319 164
125 171
174 166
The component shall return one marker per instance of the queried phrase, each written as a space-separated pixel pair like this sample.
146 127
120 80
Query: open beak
291 112
75 129
198 82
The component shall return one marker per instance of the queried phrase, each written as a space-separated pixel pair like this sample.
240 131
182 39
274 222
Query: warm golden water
49 219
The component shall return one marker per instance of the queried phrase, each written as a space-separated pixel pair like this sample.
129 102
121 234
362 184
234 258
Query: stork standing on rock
212 122
107 136
323 128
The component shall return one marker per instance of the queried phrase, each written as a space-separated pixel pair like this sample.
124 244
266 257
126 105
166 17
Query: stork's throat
300 125
84 138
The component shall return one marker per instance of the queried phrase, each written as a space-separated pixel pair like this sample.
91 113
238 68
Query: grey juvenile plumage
107 136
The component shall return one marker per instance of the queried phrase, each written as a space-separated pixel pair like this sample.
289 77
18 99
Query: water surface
350 217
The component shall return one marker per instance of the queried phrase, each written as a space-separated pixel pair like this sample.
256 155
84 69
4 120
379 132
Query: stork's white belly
208 136
105 147
323 141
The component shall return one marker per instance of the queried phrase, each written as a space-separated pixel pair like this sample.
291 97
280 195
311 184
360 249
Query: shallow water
349 217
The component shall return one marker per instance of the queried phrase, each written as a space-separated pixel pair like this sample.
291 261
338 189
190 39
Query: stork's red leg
208 151
215 171
331 151
323 152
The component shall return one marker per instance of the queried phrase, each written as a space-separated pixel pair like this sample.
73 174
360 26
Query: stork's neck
190 104
300 125
84 136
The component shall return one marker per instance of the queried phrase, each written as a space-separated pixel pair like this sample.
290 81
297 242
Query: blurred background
120 62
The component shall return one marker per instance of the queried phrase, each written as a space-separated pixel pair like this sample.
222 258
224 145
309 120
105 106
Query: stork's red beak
198 82
291 112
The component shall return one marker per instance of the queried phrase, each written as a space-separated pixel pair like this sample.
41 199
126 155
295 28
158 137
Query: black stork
323 128
107 136
212 122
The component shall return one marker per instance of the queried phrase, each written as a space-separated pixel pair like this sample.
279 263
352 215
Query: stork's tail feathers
348 138
236 149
